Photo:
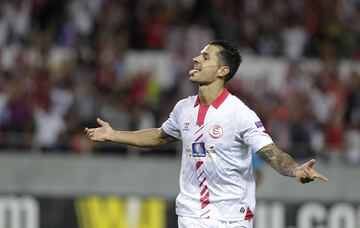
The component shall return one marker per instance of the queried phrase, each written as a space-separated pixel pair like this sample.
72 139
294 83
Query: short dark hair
229 55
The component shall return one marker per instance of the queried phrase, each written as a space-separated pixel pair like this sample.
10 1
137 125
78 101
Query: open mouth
195 69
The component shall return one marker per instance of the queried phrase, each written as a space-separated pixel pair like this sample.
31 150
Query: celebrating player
218 134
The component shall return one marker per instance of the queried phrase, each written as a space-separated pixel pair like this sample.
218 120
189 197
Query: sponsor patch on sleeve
259 124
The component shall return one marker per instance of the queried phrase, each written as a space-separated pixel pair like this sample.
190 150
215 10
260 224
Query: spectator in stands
49 126
89 42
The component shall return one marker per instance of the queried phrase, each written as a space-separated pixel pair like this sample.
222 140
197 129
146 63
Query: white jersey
216 178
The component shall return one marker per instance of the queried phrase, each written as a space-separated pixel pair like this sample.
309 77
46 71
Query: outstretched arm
152 137
285 165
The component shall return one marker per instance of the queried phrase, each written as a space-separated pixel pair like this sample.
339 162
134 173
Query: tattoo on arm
165 138
280 161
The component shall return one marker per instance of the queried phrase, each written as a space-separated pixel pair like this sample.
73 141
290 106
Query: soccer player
218 133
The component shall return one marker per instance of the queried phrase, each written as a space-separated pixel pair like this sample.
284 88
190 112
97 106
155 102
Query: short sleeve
252 131
171 125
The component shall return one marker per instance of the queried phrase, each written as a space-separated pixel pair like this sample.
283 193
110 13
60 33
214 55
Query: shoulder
242 115
239 106
186 102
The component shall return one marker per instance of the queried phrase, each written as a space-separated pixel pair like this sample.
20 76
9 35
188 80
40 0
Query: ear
223 71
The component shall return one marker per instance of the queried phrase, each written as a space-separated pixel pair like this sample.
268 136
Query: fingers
309 174
303 178
311 163
321 177
306 177
97 134
313 173
101 122
89 132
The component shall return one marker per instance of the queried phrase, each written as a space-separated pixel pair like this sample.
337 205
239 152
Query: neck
208 93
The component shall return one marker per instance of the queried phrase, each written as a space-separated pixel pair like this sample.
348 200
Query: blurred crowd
63 63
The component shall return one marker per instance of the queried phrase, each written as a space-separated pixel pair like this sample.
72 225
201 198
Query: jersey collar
218 101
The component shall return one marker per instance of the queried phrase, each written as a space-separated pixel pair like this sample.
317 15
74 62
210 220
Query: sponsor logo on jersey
198 149
186 126
242 210
216 131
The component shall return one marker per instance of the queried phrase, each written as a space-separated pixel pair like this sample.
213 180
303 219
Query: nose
196 59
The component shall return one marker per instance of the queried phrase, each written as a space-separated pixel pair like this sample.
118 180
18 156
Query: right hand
307 173
100 134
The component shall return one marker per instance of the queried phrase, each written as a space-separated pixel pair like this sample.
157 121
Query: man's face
206 66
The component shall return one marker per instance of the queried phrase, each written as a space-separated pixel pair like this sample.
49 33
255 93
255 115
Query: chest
211 125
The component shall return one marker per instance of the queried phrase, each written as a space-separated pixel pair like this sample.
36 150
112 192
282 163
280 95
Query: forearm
151 137
280 161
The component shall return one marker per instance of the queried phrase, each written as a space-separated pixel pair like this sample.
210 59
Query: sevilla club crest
216 131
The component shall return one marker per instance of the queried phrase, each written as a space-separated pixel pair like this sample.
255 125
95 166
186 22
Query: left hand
306 173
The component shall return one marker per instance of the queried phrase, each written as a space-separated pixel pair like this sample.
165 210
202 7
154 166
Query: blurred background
63 63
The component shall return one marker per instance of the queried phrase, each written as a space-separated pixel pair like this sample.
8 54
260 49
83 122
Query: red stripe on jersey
249 214
205 213
199 130
201 114
204 203
202 182
198 164
218 101
204 108
204 190
200 174
205 197
197 139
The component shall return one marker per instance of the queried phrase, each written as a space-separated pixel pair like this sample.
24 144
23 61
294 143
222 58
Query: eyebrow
205 53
